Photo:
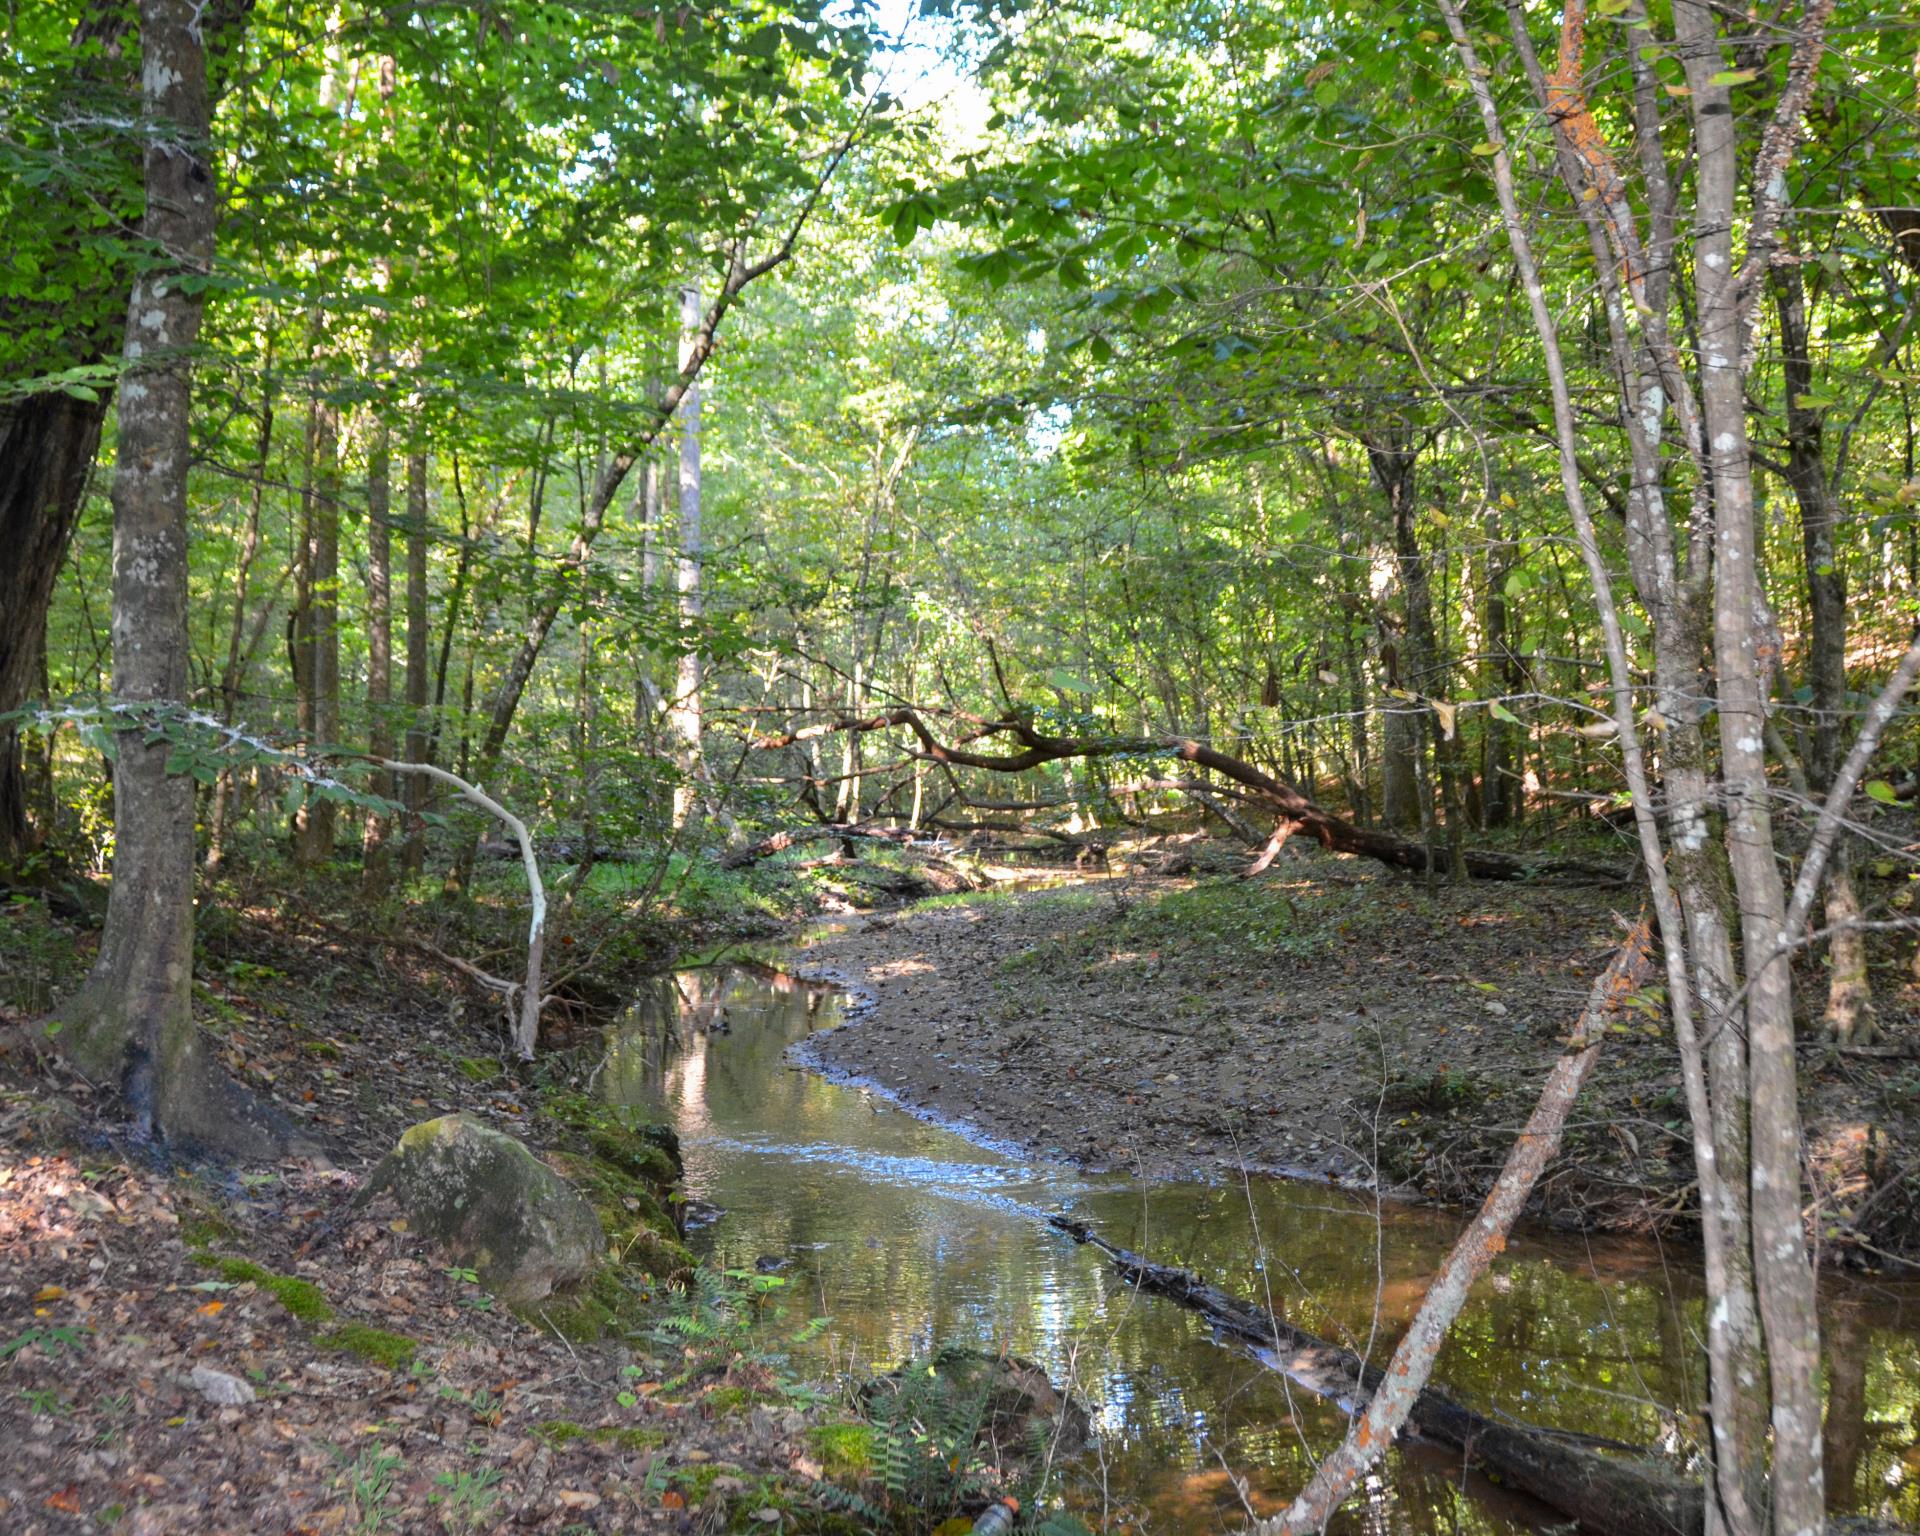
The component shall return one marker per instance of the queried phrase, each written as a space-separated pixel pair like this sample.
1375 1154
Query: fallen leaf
212 1308
575 1498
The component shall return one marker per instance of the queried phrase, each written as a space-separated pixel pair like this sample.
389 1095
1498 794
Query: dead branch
1034 748
1396 1395
527 1032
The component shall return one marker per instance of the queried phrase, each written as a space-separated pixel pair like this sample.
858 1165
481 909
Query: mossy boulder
493 1207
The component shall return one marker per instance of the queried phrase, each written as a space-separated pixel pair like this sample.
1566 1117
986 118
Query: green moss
557 1432
326 1050
204 1230
698 1481
628 1437
846 1450
640 1234
616 1136
392 1350
302 1298
724 1400
479 1069
635 1154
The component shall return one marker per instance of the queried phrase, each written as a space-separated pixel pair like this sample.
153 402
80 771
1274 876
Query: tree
133 1020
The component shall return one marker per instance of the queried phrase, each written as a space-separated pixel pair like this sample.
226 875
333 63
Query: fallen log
1279 799
1605 1494
792 837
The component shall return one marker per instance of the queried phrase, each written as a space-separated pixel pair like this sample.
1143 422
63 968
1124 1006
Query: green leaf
1500 711
1486 148
1881 790
1733 77
1325 94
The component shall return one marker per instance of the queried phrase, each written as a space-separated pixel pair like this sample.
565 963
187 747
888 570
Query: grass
1209 923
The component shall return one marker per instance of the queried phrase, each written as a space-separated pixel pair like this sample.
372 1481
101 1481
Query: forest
909 766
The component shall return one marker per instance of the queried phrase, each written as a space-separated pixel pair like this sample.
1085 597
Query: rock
220 1389
493 1206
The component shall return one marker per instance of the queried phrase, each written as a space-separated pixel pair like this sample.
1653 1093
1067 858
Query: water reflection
904 1233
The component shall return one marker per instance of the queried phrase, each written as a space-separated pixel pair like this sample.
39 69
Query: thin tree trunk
1783 1274
413 850
374 856
684 717
1694 944
1849 1010
232 673
646 692
317 620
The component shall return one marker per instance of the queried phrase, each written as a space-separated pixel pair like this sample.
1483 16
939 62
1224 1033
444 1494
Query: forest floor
387 1393
1330 1019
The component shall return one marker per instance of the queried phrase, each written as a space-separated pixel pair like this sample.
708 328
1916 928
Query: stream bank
1327 1021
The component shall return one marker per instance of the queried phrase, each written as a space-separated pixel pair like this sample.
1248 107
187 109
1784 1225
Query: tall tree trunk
1393 465
646 692
316 619
1500 799
47 444
374 856
234 669
133 1020
1783 1275
419 659
1849 1012
47 441
684 717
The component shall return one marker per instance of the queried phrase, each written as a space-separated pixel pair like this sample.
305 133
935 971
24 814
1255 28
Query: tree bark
47 444
232 673
133 1019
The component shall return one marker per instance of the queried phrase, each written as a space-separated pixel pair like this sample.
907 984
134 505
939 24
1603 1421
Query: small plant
467 1499
369 1482
45 1403
50 1341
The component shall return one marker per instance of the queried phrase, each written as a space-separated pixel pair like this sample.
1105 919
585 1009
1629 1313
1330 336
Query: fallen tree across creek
1608 1494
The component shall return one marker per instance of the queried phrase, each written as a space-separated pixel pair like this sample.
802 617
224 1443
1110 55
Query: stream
906 1232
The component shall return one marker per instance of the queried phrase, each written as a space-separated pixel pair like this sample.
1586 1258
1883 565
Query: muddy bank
1325 1020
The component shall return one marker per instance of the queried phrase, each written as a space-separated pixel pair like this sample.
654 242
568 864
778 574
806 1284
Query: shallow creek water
906 1232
